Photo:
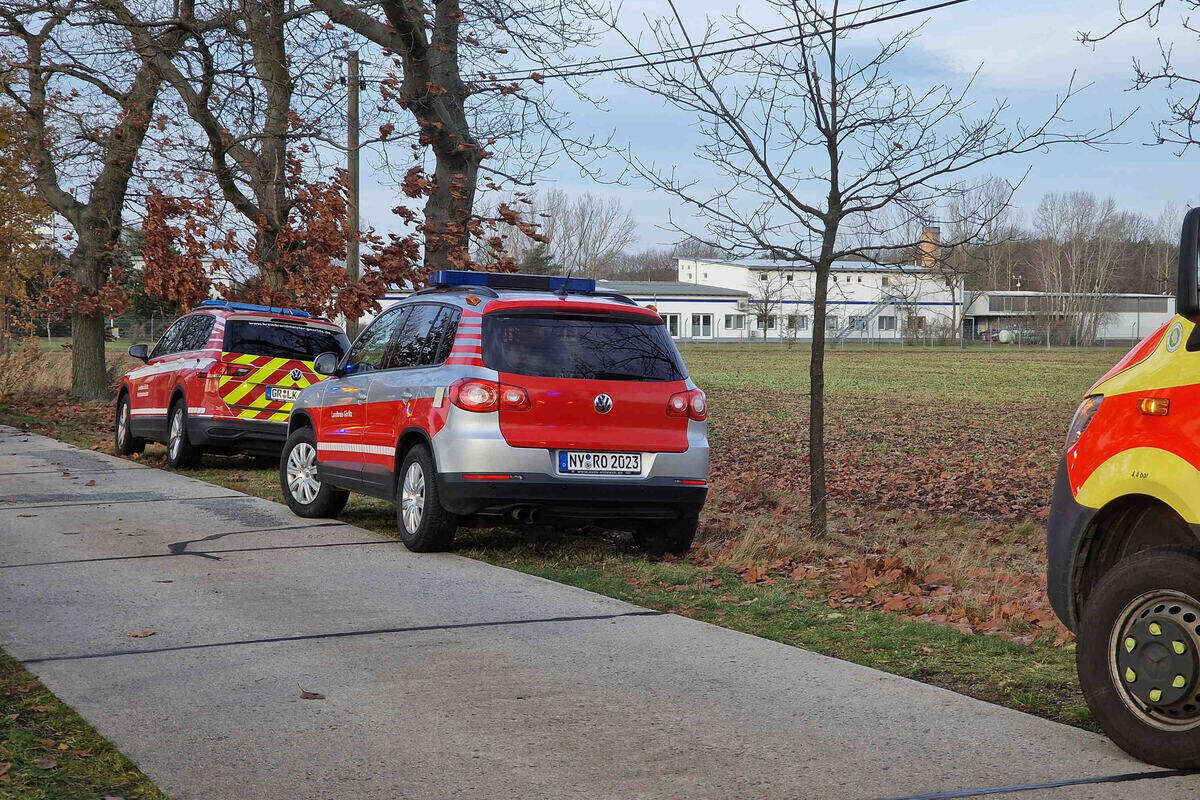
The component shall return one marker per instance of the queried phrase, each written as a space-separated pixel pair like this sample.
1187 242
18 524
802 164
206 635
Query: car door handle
406 396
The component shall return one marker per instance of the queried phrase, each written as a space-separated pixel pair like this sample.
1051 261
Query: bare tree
767 288
586 234
815 139
456 82
242 76
87 100
1180 124
1080 239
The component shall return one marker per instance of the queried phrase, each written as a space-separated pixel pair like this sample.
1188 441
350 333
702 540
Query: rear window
596 347
279 340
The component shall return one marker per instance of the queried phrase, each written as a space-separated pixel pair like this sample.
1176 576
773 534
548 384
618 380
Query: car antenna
562 292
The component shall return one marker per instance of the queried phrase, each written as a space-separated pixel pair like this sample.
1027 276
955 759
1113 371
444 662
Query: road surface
446 677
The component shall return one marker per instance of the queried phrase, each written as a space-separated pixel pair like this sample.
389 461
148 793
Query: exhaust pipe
525 515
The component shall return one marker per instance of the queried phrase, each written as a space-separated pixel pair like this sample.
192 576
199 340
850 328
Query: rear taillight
220 369
224 367
691 403
473 394
513 398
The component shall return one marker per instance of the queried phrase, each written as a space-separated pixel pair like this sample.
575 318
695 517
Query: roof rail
486 291
229 305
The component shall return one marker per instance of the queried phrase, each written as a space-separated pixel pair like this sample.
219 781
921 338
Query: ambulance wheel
425 527
306 494
124 442
181 453
1139 638
667 537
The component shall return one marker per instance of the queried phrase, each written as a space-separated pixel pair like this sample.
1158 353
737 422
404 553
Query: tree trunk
448 209
90 268
818 512
89 378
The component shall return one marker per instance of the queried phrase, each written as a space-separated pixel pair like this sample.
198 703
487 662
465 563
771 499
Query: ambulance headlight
1083 417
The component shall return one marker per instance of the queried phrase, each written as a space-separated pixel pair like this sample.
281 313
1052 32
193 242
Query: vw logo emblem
296 374
603 403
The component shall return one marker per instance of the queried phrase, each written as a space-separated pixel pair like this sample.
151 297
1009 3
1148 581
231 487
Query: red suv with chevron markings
520 397
222 379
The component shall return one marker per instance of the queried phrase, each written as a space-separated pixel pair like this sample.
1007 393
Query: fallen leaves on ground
140 634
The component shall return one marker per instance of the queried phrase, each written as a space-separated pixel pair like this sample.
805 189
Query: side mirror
326 364
1187 290
140 352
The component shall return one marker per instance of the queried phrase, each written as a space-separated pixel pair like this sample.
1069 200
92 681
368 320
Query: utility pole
352 178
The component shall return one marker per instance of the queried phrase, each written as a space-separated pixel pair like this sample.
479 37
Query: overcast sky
1026 51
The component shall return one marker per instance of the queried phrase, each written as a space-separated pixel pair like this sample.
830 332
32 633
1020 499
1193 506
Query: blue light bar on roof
231 306
511 280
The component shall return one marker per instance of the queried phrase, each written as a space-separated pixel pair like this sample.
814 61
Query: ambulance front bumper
1064 530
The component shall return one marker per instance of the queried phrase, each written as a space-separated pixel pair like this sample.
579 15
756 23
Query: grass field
941 468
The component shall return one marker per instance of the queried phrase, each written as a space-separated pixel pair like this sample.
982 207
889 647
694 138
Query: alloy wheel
123 424
176 436
302 478
412 497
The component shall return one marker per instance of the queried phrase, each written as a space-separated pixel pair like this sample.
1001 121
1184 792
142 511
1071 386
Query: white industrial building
734 300
721 300
1114 317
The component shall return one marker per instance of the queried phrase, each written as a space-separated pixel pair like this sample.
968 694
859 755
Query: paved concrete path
446 677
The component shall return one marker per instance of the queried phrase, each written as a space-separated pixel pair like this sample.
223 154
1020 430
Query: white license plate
280 395
585 462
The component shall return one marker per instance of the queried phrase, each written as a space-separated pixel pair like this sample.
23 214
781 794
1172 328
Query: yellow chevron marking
280 417
251 381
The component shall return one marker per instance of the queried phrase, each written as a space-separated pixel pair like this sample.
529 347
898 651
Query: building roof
667 289
771 265
1028 293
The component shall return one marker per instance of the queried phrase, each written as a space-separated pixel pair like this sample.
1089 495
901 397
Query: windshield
596 347
278 340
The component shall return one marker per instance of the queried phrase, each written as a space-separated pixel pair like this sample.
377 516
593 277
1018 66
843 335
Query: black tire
434 526
1123 608
668 537
326 501
181 453
124 442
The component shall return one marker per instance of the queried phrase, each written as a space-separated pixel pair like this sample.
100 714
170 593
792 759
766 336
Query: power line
638 57
610 65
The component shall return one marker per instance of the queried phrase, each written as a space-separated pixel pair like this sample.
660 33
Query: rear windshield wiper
619 376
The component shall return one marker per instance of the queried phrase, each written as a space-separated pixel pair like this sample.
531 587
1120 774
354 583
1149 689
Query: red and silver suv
222 378
506 396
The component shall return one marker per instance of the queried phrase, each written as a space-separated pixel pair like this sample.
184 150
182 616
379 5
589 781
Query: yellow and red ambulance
222 378
1123 546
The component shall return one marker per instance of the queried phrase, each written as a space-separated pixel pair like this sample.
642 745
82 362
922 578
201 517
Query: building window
771 323
858 323
887 323
831 323
860 278
672 321
801 322
886 281
918 323
705 276
762 276
702 326
790 277
735 322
